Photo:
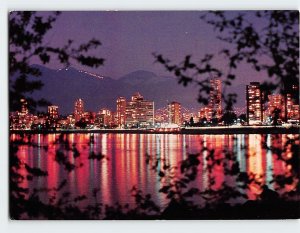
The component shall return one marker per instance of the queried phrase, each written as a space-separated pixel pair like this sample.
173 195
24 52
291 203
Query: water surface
126 165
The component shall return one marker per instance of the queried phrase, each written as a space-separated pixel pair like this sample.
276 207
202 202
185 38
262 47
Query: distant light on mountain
92 74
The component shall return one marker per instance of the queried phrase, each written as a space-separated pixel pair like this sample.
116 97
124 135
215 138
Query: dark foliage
27 30
187 202
271 47
229 118
26 41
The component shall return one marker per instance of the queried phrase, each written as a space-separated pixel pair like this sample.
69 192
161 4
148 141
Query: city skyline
217 103
57 80
137 112
106 103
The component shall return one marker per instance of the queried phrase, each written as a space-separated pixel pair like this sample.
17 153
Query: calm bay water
126 164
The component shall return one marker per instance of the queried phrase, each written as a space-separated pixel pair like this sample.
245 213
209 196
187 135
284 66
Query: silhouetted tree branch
270 46
27 31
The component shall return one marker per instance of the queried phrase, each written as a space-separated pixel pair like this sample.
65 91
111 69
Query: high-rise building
139 112
215 94
24 107
289 105
79 109
105 117
174 113
114 121
121 111
254 103
295 113
275 103
23 117
292 109
53 112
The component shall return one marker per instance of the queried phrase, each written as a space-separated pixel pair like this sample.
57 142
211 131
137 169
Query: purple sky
129 39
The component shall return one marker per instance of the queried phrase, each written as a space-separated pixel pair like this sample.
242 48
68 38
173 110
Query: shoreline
191 130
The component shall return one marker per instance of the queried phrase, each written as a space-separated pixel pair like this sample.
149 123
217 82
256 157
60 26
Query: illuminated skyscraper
254 103
289 104
292 109
139 112
294 116
215 95
121 111
106 117
291 90
24 107
53 112
21 119
115 119
276 103
174 113
79 109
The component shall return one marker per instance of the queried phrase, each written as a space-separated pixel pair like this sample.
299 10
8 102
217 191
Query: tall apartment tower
215 94
106 117
24 107
139 112
53 112
78 109
276 102
121 111
174 113
292 109
254 103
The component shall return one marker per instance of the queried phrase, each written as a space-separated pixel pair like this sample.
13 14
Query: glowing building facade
78 109
174 113
254 103
139 112
205 112
105 117
292 109
215 94
276 103
121 111
53 112
24 107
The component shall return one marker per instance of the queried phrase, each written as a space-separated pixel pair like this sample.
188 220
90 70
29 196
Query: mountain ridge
62 87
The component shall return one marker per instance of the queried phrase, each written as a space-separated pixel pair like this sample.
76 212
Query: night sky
129 39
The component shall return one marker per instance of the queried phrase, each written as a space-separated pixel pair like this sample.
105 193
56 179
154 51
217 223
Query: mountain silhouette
62 87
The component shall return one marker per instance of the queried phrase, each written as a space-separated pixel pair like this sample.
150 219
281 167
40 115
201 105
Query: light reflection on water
127 166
